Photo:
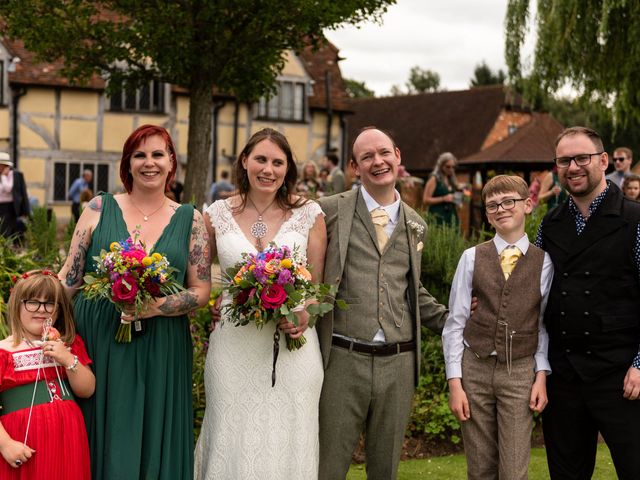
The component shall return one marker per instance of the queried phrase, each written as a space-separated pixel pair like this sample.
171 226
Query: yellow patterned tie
508 259
380 218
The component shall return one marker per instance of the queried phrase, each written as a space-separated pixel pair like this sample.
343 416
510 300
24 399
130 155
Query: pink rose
125 289
273 296
136 254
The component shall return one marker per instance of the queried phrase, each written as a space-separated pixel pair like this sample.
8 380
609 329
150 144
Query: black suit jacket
20 196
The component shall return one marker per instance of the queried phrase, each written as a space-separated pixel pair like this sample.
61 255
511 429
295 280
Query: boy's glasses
34 305
581 160
507 204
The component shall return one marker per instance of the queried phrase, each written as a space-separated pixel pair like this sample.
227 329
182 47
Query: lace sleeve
303 218
312 210
220 214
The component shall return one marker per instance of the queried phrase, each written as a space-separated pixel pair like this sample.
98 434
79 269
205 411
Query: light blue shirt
76 189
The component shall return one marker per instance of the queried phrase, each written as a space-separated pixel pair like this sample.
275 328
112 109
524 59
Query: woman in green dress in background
440 190
139 421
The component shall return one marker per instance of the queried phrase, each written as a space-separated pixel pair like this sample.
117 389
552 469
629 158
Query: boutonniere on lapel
417 231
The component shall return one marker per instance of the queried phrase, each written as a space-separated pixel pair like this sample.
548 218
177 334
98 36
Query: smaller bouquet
272 284
127 275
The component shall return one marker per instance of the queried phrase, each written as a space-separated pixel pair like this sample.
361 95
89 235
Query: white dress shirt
460 308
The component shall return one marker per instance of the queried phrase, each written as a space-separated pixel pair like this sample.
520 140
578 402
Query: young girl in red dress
42 367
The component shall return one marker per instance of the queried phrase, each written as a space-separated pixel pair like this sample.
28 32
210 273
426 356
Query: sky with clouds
450 37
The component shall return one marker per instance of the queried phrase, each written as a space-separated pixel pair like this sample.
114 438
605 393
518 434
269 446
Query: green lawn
453 467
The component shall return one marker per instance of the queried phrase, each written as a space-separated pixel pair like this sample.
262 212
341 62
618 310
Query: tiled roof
317 62
31 72
534 142
426 125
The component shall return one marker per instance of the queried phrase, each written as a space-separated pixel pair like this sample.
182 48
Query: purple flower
284 277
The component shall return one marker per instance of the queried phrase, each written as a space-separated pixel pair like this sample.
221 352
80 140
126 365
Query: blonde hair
505 184
43 283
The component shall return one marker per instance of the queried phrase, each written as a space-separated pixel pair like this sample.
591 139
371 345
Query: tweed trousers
497 437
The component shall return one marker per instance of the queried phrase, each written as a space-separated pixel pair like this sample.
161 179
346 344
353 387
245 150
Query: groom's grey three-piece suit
367 387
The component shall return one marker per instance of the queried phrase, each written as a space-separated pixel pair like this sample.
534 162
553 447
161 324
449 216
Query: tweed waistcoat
375 285
506 320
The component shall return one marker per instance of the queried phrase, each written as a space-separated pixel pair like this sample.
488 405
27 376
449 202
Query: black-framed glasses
34 305
619 159
507 204
581 160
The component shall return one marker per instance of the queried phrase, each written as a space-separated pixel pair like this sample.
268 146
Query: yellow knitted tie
380 218
508 259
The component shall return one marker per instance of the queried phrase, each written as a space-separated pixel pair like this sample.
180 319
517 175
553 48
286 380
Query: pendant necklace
259 229
146 216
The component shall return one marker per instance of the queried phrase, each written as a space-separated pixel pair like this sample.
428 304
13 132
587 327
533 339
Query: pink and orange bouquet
272 284
127 275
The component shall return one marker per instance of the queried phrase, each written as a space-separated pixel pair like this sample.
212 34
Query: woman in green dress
440 190
139 421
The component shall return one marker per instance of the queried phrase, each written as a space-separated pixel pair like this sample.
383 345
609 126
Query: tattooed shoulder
96 204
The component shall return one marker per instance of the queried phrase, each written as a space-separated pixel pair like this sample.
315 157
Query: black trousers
8 220
577 411
75 211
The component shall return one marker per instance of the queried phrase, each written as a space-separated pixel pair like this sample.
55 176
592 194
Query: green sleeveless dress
139 421
444 213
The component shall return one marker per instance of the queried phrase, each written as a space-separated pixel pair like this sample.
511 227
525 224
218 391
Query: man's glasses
507 204
581 160
34 305
619 159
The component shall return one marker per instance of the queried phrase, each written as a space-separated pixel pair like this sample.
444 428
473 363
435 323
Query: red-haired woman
139 421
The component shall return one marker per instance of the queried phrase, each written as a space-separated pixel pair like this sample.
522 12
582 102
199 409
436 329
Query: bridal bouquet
127 275
272 284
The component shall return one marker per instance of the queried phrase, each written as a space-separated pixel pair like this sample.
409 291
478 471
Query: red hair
138 136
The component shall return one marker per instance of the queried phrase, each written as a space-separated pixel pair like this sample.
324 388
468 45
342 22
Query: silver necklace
146 216
259 229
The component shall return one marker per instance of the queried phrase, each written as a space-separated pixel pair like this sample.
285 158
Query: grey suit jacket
339 211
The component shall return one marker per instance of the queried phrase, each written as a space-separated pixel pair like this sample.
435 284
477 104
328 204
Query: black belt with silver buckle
381 349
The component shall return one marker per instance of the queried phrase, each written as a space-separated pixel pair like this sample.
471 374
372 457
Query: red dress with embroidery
57 432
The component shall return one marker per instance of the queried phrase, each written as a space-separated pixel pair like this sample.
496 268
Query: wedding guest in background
79 184
221 189
14 200
622 159
551 192
336 181
308 186
439 191
631 187
139 421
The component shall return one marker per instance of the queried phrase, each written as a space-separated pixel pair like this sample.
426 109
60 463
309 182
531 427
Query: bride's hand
292 330
215 313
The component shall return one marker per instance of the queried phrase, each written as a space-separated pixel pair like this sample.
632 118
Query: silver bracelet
74 366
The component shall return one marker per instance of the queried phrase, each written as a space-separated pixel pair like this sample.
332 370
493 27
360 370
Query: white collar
393 210
522 244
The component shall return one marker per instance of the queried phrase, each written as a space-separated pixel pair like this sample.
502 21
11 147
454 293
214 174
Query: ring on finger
18 462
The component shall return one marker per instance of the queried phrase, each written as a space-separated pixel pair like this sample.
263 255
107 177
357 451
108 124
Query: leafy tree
483 75
422 80
235 45
591 45
356 89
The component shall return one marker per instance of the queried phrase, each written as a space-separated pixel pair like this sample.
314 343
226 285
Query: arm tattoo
199 256
180 303
96 204
74 275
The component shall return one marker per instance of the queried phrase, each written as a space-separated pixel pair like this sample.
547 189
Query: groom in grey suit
371 351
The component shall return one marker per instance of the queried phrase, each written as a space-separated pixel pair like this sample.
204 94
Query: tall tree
483 75
591 45
422 80
356 89
235 45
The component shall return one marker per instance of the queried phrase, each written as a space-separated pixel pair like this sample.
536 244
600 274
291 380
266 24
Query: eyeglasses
581 160
619 159
507 204
34 305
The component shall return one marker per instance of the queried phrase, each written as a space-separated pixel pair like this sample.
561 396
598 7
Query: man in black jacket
14 201
592 316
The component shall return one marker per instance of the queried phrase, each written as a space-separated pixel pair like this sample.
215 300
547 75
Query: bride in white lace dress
251 430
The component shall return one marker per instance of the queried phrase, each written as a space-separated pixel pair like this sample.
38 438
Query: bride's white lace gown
251 430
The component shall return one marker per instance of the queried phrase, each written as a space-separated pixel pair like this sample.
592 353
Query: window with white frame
65 173
149 98
287 104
